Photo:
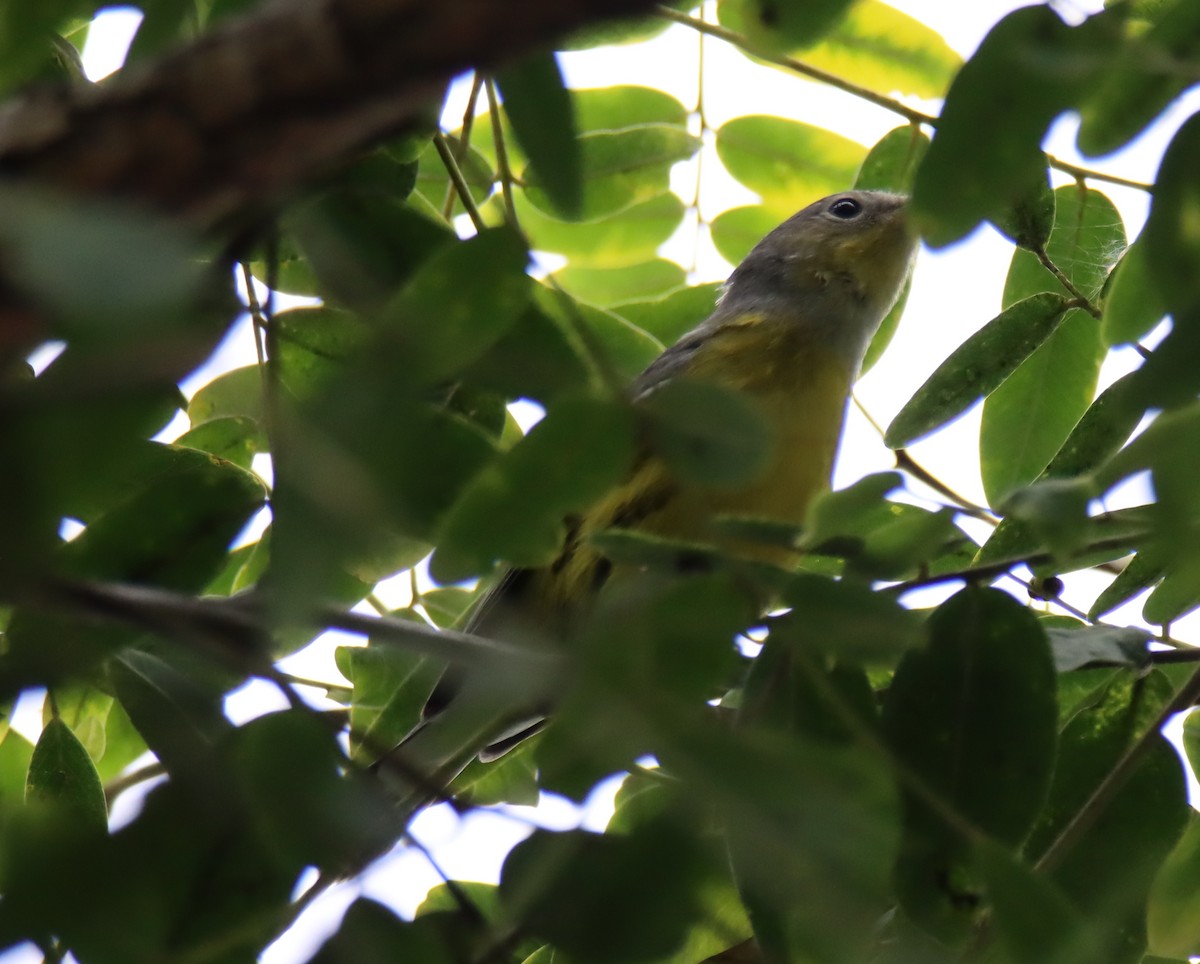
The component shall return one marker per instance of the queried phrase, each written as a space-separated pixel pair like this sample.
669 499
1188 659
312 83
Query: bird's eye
845 208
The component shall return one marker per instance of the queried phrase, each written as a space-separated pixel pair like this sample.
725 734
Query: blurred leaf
1030 415
608 287
235 393
673 315
106 271
626 238
361 247
1029 220
303 808
310 342
891 164
535 358
623 105
978 366
782 27
372 934
235 439
1135 89
1030 67
736 231
391 686
605 897
173 532
626 167
846 620
802 817
1173 913
541 112
853 510
709 435
622 345
514 509
1109 870
62 775
1055 511
789 164
15 754
1135 303
1171 235
974 717
1033 918
1138 575
457 305
180 716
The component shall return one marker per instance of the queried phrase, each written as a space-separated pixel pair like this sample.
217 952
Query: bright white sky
954 292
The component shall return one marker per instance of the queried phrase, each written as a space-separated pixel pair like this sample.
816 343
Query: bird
788 335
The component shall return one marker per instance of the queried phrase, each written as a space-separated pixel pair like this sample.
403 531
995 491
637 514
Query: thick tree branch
257 106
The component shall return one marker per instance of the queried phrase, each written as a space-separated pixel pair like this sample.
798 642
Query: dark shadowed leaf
62 776
540 110
974 718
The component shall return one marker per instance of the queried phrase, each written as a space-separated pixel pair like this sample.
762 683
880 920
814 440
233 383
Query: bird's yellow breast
799 390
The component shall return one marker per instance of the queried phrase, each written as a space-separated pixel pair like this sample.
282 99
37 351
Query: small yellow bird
788 334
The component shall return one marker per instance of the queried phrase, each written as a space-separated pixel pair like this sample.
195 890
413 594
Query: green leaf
361 247
846 620
179 715
539 107
802 817
1034 920
974 718
235 393
457 305
672 316
391 686
886 50
708 434
1029 68
1055 511
1135 303
605 897
623 346
626 167
977 367
1109 869
788 163
372 934
737 230
892 163
106 271
1171 237
626 238
608 287
1138 575
62 775
514 509
1027 419
1135 89
235 439
622 106
15 754
174 532
853 510
1173 914
782 27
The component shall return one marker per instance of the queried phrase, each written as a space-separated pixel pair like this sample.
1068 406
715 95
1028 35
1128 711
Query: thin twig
502 166
464 141
457 179
115 787
1082 300
906 463
913 115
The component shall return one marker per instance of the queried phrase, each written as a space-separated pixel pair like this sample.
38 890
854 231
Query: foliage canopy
983 781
